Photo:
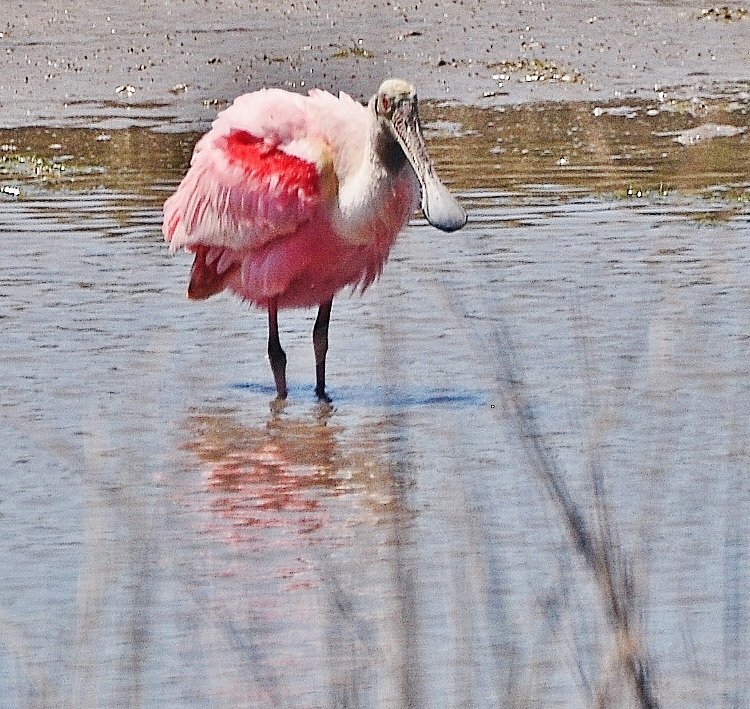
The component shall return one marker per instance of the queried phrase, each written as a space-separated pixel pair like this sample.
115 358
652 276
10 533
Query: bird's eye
385 104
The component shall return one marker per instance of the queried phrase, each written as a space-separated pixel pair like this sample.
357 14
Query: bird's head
395 106
395 94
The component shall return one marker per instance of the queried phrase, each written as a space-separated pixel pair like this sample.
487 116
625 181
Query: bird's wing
261 172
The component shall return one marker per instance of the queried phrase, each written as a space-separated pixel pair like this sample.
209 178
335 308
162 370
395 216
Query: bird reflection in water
288 475
272 476
307 513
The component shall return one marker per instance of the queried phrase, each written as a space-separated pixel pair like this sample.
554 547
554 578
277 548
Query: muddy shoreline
171 65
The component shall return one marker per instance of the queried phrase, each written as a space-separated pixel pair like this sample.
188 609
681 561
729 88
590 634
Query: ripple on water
168 534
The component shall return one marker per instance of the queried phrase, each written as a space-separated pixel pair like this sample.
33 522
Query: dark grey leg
276 354
320 346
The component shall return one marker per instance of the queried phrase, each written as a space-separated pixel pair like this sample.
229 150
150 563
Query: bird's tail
208 276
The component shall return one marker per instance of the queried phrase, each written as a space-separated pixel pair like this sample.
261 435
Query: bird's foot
323 398
278 404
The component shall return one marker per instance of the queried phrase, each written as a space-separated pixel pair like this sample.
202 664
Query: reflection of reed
595 540
593 536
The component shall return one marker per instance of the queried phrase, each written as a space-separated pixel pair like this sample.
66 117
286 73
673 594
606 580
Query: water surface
167 538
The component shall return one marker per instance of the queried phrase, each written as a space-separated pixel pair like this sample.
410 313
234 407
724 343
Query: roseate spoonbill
289 198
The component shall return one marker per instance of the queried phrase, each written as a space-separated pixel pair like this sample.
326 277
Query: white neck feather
363 193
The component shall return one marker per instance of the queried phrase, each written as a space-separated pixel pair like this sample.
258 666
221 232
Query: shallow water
167 538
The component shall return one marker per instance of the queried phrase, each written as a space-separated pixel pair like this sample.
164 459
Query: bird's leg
276 354
320 346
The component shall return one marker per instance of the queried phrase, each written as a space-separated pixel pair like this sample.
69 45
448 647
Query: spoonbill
289 198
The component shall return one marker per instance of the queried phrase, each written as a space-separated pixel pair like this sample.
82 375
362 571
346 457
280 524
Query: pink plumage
290 198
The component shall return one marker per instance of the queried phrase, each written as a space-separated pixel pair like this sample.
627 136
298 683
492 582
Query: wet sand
173 63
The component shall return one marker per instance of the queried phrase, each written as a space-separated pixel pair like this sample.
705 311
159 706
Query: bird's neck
386 150
363 193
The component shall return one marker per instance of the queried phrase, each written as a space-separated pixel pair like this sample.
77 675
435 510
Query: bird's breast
375 207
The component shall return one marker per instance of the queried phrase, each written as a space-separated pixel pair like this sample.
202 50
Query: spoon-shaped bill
439 206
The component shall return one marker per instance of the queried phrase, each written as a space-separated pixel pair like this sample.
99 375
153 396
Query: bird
291 197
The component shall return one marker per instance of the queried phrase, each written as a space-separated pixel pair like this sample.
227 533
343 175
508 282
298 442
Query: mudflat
173 63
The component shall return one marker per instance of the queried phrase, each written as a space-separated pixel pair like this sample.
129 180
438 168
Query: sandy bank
174 62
